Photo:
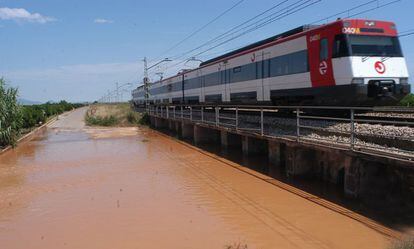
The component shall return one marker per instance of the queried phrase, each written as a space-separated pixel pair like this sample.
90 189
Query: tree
10 115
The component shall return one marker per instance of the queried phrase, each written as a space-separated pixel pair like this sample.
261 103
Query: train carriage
345 63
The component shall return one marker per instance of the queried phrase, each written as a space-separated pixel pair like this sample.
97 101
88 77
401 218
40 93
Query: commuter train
349 62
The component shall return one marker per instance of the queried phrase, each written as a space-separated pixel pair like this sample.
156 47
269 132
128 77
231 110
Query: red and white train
350 62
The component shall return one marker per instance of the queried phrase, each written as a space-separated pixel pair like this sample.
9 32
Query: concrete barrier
252 146
203 135
187 130
362 176
228 139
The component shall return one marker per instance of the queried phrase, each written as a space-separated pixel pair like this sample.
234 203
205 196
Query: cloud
102 21
22 15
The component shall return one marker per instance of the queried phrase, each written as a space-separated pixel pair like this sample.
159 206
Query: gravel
387 138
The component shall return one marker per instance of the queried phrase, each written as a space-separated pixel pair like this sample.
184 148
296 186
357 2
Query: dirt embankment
112 115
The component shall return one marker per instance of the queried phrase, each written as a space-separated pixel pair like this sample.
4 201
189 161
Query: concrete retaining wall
366 177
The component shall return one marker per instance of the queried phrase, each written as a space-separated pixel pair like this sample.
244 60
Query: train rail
381 131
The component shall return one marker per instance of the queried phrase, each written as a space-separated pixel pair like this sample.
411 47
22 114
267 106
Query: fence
387 131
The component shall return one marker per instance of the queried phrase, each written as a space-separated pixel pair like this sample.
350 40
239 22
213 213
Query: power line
234 28
281 16
348 11
375 8
407 34
286 11
204 26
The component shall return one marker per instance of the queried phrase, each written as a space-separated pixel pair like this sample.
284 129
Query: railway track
390 131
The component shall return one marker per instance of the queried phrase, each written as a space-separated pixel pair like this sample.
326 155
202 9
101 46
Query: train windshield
364 45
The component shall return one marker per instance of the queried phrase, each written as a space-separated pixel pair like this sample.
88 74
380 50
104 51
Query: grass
111 115
407 243
236 246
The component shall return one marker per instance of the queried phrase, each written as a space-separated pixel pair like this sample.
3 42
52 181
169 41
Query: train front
368 54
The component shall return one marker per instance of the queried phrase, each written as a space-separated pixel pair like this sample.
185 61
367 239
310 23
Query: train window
298 62
259 73
266 68
364 45
323 52
211 79
237 70
249 71
284 62
340 46
276 66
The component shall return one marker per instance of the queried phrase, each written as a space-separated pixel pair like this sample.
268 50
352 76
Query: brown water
78 187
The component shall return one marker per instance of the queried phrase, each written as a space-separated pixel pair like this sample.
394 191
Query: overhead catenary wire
347 11
286 11
407 34
375 8
232 29
283 15
202 28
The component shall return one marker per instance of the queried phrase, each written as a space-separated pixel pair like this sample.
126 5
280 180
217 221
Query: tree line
16 118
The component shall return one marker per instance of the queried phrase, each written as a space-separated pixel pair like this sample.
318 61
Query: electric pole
117 92
146 81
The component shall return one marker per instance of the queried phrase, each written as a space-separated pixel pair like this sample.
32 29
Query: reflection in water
392 215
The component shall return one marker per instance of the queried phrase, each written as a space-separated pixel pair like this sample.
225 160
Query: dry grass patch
120 115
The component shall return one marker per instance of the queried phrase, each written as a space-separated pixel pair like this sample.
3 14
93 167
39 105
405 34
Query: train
348 62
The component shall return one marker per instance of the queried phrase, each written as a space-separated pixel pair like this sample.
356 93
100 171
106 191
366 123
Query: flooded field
82 187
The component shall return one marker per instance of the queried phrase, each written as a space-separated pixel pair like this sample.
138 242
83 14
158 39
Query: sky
77 50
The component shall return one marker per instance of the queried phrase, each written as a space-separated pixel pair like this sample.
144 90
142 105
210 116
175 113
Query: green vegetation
120 115
10 115
38 114
407 243
408 100
145 119
16 119
101 121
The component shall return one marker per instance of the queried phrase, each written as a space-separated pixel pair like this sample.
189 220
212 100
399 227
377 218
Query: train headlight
403 80
358 81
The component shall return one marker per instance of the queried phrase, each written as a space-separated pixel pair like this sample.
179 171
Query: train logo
380 67
323 68
253 58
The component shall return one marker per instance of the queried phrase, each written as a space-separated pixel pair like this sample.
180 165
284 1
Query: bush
101 121
408 100
14 117
34 115
145 119
10 115
132 117
407 243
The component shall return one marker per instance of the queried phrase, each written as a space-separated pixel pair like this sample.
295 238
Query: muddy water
78 187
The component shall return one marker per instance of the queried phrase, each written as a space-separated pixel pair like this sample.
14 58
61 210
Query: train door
263 85
225 80
201 85
182 89
320 58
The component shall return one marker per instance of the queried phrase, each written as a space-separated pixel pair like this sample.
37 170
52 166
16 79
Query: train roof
283 36
262 42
